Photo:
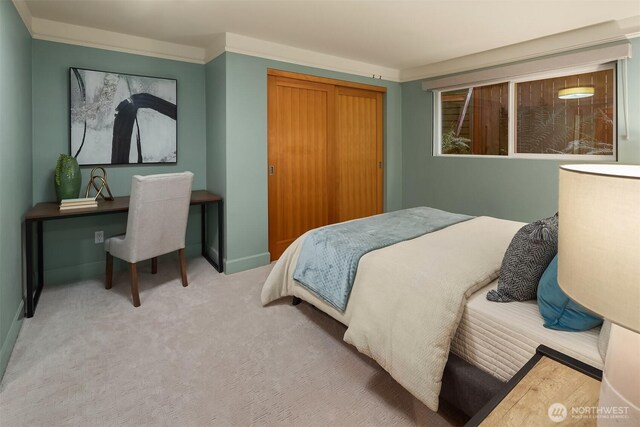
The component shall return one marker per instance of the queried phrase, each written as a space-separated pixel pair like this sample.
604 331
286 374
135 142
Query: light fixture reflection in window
576 92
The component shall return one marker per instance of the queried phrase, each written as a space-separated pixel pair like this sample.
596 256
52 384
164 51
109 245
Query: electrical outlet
99 237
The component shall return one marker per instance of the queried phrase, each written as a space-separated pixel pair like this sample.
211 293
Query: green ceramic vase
67 179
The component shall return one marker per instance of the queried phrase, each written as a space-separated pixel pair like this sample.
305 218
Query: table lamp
599 267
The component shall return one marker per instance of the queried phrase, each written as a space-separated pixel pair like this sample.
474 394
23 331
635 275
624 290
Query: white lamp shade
599 240
621 379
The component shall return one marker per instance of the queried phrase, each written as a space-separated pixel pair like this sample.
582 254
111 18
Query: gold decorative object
102 180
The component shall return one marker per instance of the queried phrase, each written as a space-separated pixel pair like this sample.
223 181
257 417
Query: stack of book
82 203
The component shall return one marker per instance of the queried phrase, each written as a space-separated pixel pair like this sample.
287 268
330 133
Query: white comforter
407 298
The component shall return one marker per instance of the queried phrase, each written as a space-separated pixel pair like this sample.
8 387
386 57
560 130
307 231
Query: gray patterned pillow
527 257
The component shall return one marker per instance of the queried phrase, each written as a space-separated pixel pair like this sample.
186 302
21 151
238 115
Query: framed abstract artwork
118 119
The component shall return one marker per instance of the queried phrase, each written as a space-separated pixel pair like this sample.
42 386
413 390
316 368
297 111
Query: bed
500 338
414 301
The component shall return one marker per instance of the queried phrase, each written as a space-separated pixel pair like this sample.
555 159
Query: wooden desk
550 384
48 211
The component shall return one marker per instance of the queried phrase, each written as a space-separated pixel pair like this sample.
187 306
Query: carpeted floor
208 354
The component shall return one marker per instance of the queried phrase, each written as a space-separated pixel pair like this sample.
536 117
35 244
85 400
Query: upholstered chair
156 225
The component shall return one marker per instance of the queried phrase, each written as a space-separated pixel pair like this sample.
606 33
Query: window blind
594 56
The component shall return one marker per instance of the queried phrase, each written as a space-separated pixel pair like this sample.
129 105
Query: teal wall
69 251
15 169
216 123
246 153
51 62
515 189
221 138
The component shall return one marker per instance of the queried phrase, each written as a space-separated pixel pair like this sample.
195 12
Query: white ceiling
394 34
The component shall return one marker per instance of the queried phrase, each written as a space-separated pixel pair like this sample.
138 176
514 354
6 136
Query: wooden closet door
358 154
300 127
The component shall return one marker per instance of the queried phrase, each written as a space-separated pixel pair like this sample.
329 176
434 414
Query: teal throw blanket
329 257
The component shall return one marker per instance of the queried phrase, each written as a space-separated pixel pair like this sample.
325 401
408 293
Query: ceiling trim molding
586 37
55 31
217 46
43 29
580 38
25 13
237 43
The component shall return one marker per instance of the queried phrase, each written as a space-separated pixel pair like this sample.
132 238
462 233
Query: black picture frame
98 100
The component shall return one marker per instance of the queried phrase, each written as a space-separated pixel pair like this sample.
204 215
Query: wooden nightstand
551 389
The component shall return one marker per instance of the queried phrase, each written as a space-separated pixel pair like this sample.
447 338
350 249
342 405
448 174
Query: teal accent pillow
558 310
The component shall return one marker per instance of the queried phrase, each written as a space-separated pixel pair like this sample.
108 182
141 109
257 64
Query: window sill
557 157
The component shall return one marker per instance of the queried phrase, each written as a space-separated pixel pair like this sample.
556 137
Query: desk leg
33 295
220 236
29 307
40 264
203 236
203 231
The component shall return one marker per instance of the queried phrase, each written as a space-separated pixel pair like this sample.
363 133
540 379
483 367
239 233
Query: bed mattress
500 338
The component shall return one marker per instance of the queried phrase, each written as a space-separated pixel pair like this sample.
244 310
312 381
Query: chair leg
154 265
109 271
183 267
134 284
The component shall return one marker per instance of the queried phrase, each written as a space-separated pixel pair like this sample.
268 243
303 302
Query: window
475 120
553 115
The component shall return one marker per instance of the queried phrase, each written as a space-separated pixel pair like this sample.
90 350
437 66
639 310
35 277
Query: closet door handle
272 170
